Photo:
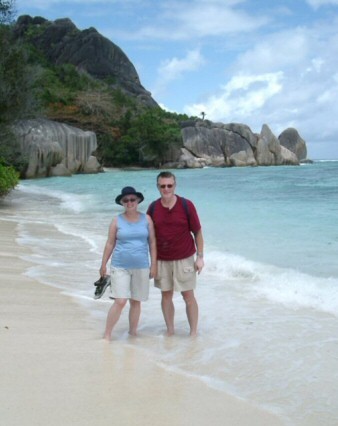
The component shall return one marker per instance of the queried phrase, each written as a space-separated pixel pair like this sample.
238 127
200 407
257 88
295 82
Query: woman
131 238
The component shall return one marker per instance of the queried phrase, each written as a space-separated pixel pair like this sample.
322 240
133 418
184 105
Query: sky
239 61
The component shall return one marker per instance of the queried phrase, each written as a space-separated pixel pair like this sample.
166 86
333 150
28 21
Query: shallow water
268 296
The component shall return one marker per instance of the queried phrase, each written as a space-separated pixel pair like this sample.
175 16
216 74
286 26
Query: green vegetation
10 150
14 98
61 84
129 132
142 140
16 78
9 178
7 11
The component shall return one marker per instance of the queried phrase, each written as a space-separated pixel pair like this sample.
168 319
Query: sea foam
289 287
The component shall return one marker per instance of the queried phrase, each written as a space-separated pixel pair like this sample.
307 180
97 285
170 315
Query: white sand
56 370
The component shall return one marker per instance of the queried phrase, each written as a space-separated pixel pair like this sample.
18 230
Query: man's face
166 186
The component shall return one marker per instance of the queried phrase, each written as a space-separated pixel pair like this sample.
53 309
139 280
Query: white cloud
189 20
240 97
171 69
214 19
175 68
166 108
284 49
44 4
316 64
288 79
318 3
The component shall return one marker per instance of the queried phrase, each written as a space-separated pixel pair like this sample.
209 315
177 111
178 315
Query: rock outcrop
216 144
56 149
61 42
291 140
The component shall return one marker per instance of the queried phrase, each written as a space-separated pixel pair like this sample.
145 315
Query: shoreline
57 369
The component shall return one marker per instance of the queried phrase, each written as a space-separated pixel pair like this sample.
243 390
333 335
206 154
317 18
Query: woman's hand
103 271
153 270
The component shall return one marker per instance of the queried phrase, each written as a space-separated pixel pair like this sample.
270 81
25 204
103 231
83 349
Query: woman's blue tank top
132 245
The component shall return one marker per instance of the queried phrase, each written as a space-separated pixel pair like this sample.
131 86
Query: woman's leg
134 316
113 316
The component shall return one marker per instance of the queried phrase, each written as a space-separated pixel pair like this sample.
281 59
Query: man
178 236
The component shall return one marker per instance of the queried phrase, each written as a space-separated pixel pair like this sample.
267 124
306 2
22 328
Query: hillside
85 80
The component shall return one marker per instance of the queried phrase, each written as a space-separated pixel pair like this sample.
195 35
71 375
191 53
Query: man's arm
199 262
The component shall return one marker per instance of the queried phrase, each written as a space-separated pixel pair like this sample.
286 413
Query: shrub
9 178
10 150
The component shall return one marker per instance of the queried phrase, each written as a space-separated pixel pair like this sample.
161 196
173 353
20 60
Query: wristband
199 254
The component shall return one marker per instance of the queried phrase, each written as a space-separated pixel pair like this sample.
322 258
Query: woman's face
130 202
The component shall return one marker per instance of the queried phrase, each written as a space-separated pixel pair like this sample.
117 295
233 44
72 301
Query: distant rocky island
216 144
56 148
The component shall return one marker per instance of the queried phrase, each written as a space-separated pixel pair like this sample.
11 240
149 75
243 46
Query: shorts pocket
185 273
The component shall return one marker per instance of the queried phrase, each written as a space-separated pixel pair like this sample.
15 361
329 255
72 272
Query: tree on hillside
17 77
8 95
7 11
143 140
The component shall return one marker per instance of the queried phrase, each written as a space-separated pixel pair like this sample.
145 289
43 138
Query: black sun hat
128 190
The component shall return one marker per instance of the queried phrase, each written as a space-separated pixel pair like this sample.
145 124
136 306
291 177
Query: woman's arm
109 247
152 248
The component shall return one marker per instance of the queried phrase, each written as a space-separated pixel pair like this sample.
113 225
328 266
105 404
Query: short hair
166 175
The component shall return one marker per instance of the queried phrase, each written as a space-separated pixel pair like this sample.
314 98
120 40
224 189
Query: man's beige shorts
177 275
129 284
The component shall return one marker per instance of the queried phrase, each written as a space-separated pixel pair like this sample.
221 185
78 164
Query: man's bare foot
132 333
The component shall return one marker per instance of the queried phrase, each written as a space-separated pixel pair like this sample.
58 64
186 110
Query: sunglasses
126 200
169 185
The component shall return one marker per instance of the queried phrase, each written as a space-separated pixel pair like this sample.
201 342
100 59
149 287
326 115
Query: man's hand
199 264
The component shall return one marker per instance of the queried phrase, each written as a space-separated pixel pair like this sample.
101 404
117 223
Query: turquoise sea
268 295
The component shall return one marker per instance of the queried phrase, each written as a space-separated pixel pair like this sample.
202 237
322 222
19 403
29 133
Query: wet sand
56 369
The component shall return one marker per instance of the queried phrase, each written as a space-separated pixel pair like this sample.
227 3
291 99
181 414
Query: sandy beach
57 370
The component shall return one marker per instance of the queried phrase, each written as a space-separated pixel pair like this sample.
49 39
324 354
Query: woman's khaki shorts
129 284
177 275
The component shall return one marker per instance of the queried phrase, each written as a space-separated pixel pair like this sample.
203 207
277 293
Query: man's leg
134 316
192 310
168 310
